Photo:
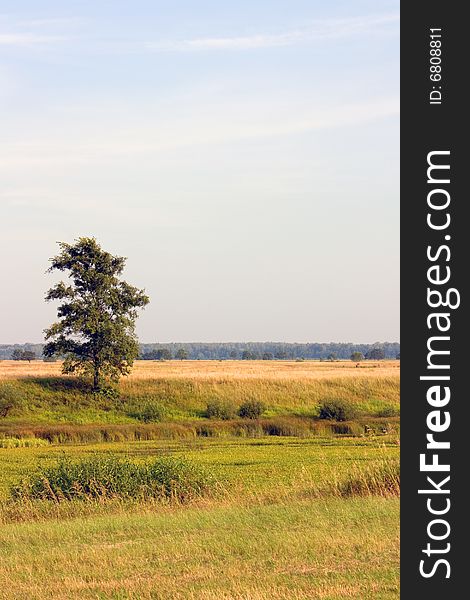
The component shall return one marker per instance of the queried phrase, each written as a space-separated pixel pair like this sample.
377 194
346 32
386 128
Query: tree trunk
96 378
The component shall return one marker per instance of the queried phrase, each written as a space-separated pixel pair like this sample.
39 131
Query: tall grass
186 430
106 477
15 442
381 479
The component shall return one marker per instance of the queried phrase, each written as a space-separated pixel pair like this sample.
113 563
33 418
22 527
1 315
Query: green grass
247 466
108 476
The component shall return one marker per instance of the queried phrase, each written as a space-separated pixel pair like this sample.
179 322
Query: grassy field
277 523
331 550
183 389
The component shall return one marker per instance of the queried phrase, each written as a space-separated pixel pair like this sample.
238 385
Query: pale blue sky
243 155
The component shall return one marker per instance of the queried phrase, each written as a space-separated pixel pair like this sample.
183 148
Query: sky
244 157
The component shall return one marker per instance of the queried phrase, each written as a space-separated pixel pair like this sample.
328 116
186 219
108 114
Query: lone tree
95 332
24 355
357 356
29 355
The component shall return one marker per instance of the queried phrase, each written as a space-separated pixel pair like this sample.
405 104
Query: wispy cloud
83 147
27 39
319 30
34 32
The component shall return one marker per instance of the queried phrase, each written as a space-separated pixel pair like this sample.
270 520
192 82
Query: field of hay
220 370
299 508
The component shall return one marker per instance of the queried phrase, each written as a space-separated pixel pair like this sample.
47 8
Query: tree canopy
28 355
95 333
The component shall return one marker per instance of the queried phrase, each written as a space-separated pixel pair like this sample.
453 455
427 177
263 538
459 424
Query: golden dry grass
219 370
323 550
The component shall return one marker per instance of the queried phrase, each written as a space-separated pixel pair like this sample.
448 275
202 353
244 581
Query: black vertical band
434 255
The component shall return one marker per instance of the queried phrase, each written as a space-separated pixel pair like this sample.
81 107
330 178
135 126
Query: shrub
216 409
337 410
148 413
251 409
10 399
102 477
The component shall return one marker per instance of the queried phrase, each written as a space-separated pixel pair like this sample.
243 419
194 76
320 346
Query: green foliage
11 399
181 354
218 409
108 476
108 392
251 409
147 413
337 410
357 356
95 331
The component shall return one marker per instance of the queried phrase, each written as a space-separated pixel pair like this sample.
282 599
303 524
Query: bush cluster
147 413
251 409
337 410
217 409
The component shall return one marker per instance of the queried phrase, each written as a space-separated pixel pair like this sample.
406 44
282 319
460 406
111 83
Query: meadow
306 515
181 390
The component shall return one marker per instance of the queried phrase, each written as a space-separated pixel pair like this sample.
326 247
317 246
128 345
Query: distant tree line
242 351
8 350
269 351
